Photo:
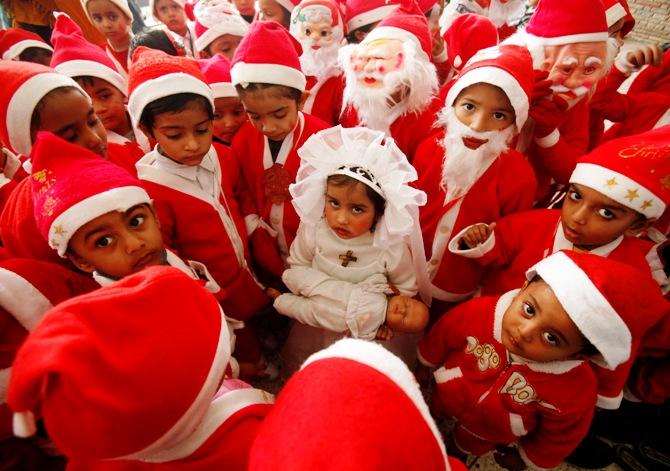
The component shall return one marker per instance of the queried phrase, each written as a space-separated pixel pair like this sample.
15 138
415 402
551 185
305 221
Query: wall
652 20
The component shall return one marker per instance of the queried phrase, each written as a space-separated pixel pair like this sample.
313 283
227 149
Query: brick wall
652 20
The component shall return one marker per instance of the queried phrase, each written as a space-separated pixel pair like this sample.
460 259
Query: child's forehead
596 197
169 3
103 6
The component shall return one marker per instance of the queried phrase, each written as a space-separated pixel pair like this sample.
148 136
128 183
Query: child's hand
542 86
478 234
509 458
384 333
272 293
547 113
645 55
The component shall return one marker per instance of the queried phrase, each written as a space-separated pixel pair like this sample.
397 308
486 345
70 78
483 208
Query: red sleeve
649 379
517 185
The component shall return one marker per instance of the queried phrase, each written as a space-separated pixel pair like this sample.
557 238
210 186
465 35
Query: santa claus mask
502 12
313 26
373 62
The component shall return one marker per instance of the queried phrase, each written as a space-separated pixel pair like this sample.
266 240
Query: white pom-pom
458 61
23 424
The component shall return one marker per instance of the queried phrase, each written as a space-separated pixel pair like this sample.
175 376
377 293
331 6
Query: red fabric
410 18
216 69
559 19
327 104
14 37
649 379
355 8
122 57
640 113
150 64
467 34
253 49
604 105
629 21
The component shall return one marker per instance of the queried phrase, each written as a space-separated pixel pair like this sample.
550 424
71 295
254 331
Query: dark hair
30 54
281 90
353 36
35 118
173 104
346 181
154 38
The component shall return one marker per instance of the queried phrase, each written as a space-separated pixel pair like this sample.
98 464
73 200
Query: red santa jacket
506 187
325 98
547 407
199 230
637 114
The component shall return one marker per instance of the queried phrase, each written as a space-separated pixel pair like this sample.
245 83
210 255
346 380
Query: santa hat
405 23
288 4
612 304
352 406
255 62
508 67
25 85
154 13
108 382
559 22
468 34
634 171
616 10
154 75
14 41
360 13
74 56
333 6
214 18
71 186
217 74
121 4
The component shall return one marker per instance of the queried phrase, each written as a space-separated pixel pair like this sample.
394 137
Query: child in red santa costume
469 170
515 368
319 27
219 28
390 80
17 44
271 86
123 394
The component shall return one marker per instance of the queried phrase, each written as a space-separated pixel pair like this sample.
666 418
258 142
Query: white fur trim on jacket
22 300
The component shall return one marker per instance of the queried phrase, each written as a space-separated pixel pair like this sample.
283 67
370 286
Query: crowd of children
350 196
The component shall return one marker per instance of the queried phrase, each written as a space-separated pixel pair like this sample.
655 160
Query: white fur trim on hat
69 221
15 51
391 32
163 86
23 103
22 300
287 4
276 74
570 39
380 359
615 13
370 16
620 188
206 38
82 67
121 4
588 308
223 90
501 79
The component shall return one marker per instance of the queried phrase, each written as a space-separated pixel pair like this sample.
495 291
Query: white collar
186 171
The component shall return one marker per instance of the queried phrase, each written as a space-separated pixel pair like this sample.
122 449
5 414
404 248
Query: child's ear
80 262
640 224
303 99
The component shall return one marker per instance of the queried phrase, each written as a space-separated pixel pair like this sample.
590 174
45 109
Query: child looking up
219 28
114 20
173 15
271 86
17 44
514 368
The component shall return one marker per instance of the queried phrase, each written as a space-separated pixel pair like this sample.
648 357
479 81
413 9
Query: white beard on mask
503 13
322 62
462 166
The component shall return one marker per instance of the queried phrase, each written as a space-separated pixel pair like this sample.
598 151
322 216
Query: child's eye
606 213
136 221
203 130
104 241
173 137
105 96
253 117
468 106
334 203
97 18
217 116
550 338
528 310
112 17
574 196
357 210
280 115
499 116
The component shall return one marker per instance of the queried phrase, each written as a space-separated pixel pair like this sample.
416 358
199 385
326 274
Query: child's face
271 10
71 116
484 107
245 7
229 115
184 136
349 211
226 44
109 19
270 112
405 314
536 327
118 243
109 104
591 219
172 15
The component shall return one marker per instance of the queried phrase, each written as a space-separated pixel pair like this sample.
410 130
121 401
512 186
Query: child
246 8
277 10
363 15
158 37
219 28
120 391
469 168
229 114
173 15
22 45
95 73
356 209
114 20
513 368
271 86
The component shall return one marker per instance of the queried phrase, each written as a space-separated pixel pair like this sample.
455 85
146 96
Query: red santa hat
360 13
154 13
616 10
217 73
255 62
405 23
71 186
121 4
559 22
468 34
25 85
352 406
333 6
508 67
74 56
108 382
14 41
288 4
154 75
214 18
634 171
612 304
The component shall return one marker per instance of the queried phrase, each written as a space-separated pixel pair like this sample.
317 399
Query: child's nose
133 242
579 215
478 122
191 143
526 331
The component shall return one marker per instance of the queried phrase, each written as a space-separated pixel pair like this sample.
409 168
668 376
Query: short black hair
173 104
31 54
352 37
154 38
282 90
